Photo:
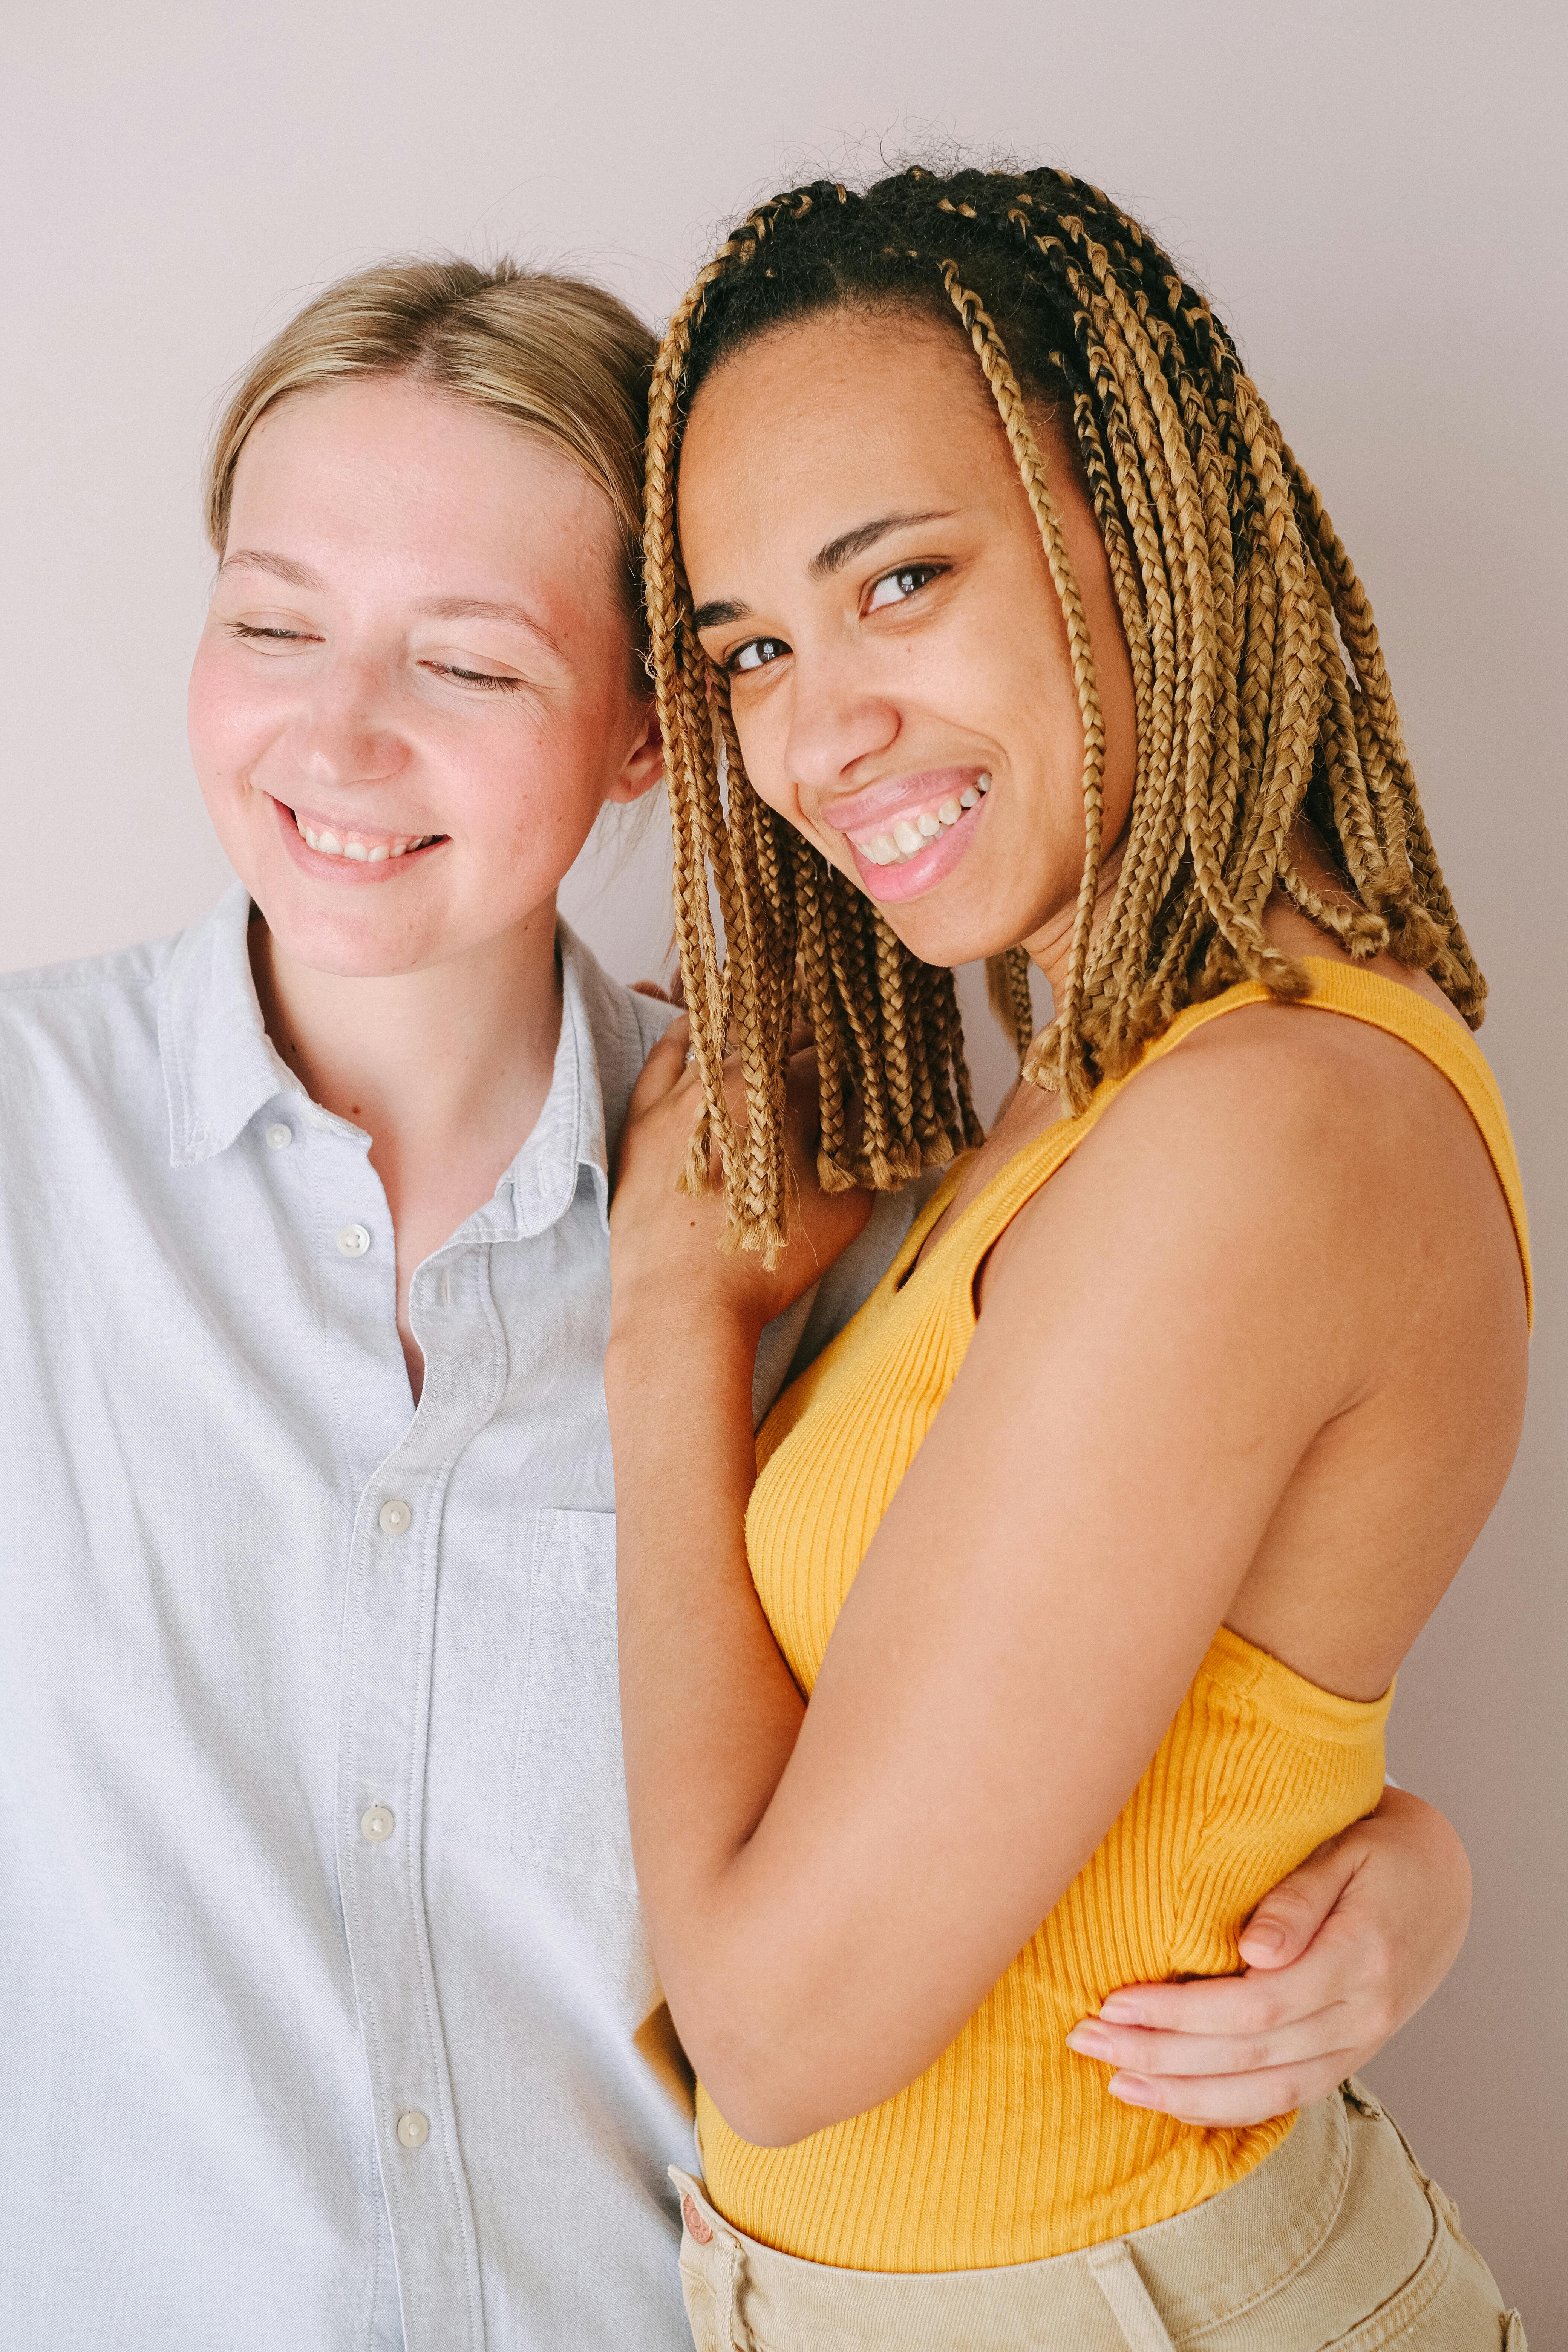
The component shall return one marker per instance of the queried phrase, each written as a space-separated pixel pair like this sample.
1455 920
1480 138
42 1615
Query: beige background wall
1374 194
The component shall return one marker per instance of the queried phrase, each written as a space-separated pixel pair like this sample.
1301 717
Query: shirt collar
220 1068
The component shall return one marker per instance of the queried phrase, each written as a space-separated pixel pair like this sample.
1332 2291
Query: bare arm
958 1763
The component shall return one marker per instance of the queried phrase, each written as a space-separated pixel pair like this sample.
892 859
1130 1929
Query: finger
1236 2100
663 1070
652 988
1259 2001
1285 1921
1137 2050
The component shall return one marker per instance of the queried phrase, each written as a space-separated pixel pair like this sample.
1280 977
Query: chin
343 942
952 935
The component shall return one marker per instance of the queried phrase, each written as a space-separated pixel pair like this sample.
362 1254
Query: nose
837 717
343 732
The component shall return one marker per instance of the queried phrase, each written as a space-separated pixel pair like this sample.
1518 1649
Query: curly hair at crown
1260 688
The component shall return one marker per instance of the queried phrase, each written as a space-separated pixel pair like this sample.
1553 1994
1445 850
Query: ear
643 766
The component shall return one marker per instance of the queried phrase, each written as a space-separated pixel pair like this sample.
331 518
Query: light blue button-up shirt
327 2014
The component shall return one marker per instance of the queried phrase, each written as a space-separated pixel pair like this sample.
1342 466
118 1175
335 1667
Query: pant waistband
1173 2280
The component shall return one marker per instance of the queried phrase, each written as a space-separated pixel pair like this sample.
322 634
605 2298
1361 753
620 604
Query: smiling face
414 688
866 570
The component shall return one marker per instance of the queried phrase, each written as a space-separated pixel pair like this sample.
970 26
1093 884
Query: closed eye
757 653
898 587
488 681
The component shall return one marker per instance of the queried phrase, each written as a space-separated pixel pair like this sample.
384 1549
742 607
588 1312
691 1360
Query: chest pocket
569 1789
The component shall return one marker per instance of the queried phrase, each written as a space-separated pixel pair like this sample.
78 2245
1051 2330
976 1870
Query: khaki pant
1336 2242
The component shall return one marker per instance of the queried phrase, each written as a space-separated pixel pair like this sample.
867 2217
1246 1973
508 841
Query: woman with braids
1056 1610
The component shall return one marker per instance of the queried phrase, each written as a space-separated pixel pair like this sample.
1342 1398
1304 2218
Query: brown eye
897 587
756 654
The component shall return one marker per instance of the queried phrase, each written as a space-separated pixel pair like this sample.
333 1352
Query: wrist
661 1334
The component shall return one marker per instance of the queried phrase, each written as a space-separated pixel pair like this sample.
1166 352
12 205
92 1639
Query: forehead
826 410
385 465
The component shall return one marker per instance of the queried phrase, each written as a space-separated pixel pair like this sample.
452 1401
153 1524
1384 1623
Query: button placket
382 1765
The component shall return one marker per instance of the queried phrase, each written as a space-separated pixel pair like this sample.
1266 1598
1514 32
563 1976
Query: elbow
766 2106
772 2086
777 2080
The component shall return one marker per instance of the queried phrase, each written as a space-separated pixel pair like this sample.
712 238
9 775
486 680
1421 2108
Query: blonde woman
1058 1607
327 2014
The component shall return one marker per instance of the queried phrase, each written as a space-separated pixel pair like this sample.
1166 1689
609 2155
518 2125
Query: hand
1338 1956
665 1254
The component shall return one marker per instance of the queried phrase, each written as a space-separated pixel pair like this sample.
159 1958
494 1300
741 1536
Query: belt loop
709 2274
1116 2276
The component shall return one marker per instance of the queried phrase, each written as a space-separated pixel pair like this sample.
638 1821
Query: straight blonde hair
562 359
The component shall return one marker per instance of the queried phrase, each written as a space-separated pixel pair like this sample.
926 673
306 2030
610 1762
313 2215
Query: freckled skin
418 995
972 671
392 495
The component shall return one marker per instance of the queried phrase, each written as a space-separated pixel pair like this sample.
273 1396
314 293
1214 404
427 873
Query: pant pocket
1450 2303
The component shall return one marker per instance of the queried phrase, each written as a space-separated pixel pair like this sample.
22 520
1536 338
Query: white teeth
916 834
363 853
909 835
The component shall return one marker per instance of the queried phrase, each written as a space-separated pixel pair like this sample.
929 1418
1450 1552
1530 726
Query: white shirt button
377 1825
353 1240
395 1518
413 2128
279 1136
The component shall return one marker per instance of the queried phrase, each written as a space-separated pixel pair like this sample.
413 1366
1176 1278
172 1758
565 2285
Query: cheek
225 718
760 732
525 793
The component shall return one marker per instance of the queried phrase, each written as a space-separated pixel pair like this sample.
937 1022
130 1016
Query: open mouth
354 846
916 832
365 848
902 855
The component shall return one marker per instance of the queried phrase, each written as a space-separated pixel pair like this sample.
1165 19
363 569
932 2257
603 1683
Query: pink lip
925 869
882 804
349 871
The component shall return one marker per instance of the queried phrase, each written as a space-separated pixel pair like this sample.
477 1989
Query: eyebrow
482 608
850 543
281 567
435 608
828 560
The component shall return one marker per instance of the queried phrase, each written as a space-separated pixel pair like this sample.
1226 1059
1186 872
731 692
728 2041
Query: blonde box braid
1260 686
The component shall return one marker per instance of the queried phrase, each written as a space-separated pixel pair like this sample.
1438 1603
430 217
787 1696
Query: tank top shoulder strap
1346 988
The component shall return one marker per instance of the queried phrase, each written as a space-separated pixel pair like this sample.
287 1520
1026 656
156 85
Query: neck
1049 949
447 1067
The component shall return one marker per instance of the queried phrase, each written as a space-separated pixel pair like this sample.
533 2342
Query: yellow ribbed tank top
1009 2148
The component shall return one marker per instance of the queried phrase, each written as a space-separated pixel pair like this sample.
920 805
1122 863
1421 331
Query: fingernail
1089 2040
1264 1937
1122 2009
1132 2089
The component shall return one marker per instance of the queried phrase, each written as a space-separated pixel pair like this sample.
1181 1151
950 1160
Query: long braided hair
1261 690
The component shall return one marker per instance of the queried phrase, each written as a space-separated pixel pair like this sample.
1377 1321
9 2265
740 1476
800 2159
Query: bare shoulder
1291 1141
